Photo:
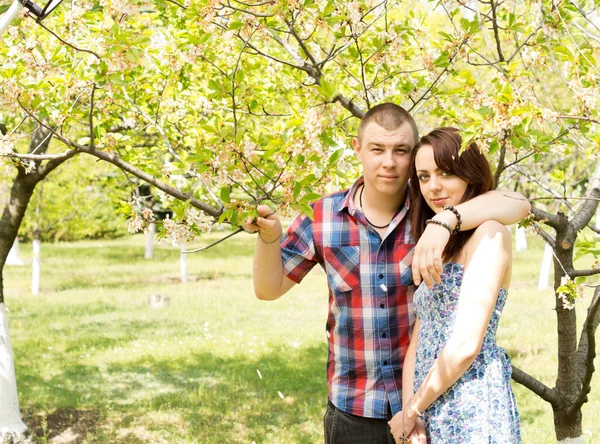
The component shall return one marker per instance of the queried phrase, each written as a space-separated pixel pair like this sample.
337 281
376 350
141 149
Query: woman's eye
423 177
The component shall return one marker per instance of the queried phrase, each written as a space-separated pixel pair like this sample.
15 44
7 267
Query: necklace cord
363 212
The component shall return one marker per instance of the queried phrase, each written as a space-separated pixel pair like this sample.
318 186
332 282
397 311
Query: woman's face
439 188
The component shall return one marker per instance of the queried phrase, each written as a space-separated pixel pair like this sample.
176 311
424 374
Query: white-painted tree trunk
149 253
545 269
520 239
578 440
36 267
10 416
598 218
183 263
14 255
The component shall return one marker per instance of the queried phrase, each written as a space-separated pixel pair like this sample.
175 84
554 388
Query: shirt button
382 306
383 335
384 362
381 276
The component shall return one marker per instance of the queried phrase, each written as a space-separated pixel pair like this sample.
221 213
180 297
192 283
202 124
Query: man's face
385 157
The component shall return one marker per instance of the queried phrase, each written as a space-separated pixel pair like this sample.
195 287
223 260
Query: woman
460 377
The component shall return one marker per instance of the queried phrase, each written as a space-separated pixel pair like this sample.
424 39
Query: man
361 237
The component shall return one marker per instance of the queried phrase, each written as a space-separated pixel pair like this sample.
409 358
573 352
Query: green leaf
311 197
307 210
297 189
335 157
224 194
235 25
327 89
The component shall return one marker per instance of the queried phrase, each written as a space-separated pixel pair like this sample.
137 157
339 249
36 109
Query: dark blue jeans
344 428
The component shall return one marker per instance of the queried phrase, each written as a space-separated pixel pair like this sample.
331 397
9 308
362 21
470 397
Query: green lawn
95 364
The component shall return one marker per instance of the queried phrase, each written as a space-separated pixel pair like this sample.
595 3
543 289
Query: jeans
344 428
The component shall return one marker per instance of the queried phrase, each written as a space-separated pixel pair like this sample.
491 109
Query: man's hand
267 223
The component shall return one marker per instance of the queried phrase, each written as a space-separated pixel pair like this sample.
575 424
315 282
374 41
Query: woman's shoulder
490 227
489 230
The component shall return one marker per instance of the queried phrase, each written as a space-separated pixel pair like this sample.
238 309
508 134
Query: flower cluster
136 223
569 292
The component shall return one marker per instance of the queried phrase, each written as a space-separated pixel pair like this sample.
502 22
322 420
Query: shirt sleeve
298 249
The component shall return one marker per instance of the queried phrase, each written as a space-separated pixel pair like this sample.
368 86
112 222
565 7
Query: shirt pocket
403 256
342 265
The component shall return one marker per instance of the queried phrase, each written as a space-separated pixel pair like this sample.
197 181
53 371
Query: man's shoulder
335 198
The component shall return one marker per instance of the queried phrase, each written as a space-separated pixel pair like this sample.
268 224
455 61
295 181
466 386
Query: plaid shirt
370 299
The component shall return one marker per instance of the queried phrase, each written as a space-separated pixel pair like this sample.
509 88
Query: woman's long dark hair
471 166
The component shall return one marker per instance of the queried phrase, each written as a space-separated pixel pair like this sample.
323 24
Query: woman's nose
434 183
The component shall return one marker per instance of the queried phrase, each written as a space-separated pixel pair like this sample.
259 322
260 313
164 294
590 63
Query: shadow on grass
218 399
61 425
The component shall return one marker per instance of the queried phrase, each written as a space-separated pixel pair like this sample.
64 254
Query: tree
223 104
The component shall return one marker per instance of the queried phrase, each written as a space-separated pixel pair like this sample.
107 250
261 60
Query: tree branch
588 209
496 33
239 230
549 219
91 116
537 387
500 168
67 43
125 166
590 272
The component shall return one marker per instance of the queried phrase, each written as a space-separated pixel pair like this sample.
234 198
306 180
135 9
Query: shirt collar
348 201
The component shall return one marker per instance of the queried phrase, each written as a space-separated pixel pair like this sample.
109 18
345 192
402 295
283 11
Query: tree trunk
22 189
566 426
13 214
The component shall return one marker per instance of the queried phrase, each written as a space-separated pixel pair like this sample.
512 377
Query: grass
95 364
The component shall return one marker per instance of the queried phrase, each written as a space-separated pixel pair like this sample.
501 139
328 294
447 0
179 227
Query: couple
402 368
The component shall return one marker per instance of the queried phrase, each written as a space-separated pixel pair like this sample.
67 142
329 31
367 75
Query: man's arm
505 207
267 273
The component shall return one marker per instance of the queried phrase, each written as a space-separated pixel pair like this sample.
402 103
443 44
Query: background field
95 364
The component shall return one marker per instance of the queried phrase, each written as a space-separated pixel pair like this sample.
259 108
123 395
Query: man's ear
356 145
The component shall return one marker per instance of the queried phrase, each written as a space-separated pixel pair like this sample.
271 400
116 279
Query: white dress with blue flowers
480 407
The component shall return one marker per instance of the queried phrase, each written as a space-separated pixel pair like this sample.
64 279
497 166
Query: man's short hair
389 116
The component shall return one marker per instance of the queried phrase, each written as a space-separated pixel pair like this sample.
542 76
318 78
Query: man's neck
379 204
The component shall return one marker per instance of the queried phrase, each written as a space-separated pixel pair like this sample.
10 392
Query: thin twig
67 43
239 230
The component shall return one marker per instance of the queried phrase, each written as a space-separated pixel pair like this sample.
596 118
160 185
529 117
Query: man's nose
389 161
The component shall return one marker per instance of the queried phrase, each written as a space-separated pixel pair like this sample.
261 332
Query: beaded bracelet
458 219
269 242
439 222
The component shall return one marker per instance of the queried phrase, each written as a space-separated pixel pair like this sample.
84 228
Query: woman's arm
489 258
506 207
408 367
408 376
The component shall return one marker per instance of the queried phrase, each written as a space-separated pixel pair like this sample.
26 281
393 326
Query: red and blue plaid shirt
371 314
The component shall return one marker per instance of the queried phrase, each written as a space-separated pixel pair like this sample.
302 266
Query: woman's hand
403 424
